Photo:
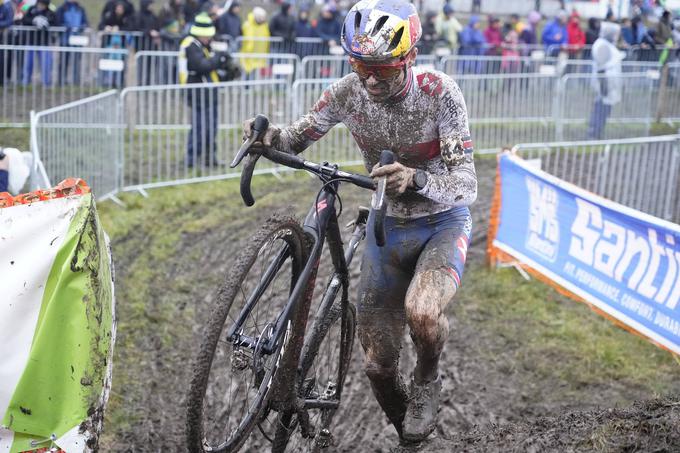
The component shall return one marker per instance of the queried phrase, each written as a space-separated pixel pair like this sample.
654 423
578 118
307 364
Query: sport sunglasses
379 71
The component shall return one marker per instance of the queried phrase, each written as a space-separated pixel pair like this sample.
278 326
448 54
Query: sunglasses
379 71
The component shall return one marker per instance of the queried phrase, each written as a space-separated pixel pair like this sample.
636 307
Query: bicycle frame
321 224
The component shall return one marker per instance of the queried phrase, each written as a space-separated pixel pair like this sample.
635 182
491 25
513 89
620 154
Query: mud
484 406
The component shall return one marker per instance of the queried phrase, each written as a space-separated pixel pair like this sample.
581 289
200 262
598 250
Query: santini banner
622 261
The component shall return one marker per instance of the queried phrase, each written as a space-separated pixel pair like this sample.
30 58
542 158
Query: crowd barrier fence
37 77
83 139
502 109
641 173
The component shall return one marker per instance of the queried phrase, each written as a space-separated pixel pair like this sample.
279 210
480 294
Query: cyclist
421 116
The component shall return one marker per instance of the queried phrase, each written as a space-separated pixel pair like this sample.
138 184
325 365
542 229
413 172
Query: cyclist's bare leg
437 276
429 293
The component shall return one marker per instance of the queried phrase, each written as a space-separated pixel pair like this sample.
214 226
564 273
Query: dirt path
488 404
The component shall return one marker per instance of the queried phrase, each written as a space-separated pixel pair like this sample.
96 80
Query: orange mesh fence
66 188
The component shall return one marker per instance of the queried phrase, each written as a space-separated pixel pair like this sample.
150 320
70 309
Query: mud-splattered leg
429 293
437 277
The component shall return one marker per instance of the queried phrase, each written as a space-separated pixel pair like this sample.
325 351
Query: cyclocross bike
258 365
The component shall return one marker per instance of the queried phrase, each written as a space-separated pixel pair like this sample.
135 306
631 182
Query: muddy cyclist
389 104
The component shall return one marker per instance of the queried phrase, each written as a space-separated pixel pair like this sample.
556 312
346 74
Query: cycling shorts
434 242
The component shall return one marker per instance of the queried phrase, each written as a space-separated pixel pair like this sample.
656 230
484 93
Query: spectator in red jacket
493 36
575 35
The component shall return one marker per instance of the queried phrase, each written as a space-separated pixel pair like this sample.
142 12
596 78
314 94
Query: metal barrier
455 65
510 108
338 145
82 139
23 35
188 133
36 77
641 173
275 44
667 93
579 115
160 67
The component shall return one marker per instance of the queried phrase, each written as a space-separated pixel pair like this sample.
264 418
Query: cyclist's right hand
271 136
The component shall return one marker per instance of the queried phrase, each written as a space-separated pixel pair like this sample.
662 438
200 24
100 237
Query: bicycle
259 336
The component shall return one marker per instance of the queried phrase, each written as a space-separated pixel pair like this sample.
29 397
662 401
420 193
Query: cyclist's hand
271 137
399 177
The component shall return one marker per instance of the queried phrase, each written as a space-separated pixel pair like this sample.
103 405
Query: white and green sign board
57 325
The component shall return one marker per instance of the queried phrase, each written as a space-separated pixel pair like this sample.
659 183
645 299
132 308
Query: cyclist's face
381 81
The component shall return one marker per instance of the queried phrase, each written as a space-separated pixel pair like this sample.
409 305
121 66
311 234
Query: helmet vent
395 40
378 25
357 22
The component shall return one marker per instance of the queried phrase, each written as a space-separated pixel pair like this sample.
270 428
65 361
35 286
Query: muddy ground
490 400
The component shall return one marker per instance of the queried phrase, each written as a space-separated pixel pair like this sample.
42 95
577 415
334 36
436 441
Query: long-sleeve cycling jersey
425 125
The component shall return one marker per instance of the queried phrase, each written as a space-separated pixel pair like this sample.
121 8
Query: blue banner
624 262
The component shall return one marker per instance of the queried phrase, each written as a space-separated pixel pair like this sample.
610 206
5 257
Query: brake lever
260 126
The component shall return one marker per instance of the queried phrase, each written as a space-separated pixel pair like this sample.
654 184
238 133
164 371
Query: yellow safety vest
183 63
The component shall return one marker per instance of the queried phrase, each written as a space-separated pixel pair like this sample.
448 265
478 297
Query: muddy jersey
425 125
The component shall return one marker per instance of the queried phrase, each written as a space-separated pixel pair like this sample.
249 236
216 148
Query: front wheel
231 383
324 369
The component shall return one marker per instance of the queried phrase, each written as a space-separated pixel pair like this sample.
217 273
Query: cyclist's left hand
399 177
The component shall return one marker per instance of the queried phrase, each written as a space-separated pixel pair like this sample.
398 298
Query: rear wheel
320 363
231 383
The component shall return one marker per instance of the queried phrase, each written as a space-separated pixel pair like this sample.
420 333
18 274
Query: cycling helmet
380 29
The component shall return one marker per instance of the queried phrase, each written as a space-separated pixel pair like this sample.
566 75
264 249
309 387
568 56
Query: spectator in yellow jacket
255 40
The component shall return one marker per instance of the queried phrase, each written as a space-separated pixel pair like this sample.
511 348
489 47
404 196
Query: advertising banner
57 324
621 261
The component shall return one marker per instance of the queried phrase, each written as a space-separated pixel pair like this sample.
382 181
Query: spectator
527 33
329 27
493 37
229 23
606 78
429 35
511 24
303 29
663 34
255 40
42 17
576 38
113 78
282 25
4 171
117 20
110 6
172 24
477 6
147 22
190 9
510 56
634 33
199 65
6 19
471 43
593 31
72 16
448 27
555 34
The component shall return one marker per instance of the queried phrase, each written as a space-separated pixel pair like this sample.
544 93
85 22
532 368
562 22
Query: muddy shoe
421 414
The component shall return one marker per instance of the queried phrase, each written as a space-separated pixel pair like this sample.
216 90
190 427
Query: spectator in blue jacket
555 34
473 43
72 16
329 27
6 19
4 171
229 23
304 29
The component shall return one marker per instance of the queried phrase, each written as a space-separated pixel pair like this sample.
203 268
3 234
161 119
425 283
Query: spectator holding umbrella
328 27
555 34
282 25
